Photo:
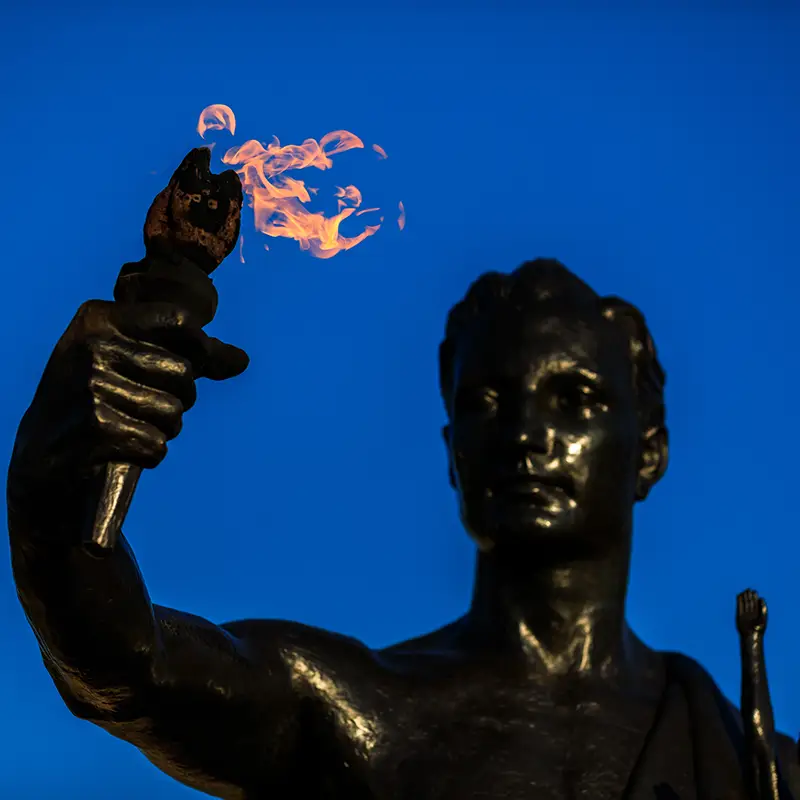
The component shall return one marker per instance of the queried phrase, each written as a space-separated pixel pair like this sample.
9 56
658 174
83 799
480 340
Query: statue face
544 438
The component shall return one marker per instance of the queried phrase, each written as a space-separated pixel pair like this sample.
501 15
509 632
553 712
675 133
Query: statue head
554 399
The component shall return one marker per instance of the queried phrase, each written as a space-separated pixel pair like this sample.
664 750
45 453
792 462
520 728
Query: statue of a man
555 429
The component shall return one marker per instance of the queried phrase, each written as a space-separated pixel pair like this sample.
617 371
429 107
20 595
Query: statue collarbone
398 716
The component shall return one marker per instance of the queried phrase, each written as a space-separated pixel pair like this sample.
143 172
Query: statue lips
539 489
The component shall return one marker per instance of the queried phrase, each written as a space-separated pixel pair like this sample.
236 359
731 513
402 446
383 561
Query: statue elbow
110 702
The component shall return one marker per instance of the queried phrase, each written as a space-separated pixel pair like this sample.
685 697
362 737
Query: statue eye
577 399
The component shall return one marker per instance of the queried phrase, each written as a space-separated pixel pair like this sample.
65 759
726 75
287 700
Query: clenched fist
751 612
116 388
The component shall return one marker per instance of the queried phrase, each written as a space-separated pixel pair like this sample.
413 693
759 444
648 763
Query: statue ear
650 387
653 460
450 470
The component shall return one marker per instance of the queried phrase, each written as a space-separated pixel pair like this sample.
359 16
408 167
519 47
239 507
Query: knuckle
162 362
99 353
128 438
102 344
91 308
153 453
93 343
158 446
102 418
176 428
170 416
97 382
159 440
174 406
177 367
189 397
92 317
102 382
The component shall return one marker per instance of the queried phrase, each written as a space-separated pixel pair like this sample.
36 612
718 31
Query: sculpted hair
546 280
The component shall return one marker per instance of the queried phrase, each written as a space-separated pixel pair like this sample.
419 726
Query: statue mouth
538 490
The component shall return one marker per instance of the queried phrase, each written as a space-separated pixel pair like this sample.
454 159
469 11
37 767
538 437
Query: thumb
223 361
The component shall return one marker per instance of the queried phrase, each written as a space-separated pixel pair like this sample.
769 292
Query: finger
148 365
163 324
122 438
158 408
223 360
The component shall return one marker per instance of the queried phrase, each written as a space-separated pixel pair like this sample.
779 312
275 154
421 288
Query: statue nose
528 430
532 441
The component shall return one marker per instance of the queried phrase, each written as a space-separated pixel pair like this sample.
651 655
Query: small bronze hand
751 612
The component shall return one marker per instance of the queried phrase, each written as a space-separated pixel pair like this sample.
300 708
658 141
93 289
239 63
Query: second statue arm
759 726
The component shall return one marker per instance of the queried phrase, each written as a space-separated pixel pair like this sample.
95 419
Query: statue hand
751 612
116 388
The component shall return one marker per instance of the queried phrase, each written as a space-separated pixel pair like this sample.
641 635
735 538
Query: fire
278 200
216 117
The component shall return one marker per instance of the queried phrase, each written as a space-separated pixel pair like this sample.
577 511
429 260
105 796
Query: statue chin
527 530
520 525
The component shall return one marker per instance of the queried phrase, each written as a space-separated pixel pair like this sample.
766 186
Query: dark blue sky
653 151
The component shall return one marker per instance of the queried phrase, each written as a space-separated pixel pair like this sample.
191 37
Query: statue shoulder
302 648
787 757
701 689
700 686
688 670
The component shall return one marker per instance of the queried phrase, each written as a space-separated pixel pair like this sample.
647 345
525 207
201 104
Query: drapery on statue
555 429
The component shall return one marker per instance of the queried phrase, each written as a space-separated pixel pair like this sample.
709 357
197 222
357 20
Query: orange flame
379 150
401 220
277 199
216 117
349 194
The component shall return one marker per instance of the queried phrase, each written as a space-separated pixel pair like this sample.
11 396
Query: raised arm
759 725
215 707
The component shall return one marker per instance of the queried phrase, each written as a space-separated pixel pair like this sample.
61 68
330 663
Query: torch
192 225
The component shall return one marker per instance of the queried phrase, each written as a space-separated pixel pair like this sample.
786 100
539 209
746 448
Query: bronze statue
555 429
762 770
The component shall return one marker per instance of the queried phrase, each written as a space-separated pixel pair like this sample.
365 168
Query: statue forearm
759 726
756 701
93 618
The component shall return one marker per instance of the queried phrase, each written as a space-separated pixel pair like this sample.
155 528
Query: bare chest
460 743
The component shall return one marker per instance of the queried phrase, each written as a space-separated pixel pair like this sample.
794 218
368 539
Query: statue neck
564 617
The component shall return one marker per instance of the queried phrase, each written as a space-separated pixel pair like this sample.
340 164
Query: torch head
197 216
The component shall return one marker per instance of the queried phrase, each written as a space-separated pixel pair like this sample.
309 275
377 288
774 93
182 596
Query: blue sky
651 147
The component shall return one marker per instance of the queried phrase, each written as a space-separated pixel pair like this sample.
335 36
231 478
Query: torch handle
119 484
